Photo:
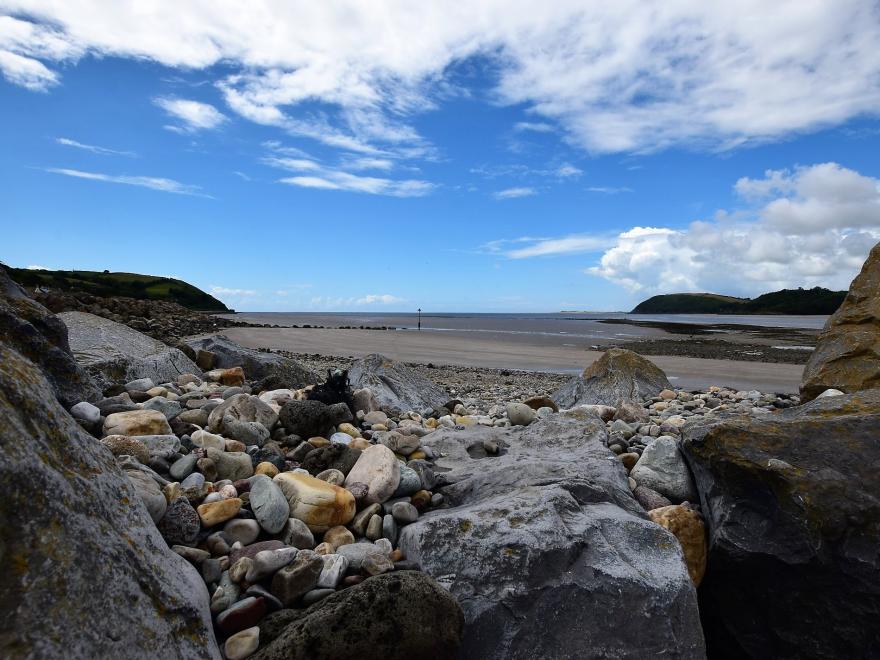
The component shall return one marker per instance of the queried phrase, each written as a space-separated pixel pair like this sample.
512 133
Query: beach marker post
420 319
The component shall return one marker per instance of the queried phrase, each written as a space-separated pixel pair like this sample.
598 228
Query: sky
483 156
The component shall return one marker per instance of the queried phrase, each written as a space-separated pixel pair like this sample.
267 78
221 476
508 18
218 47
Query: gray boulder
548 552
41 337
395 385
113 352
617 377
283 372
661 468
88 574
792 502
398 616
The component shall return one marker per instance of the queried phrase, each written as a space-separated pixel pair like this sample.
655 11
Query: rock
419 619
243 417
662 468
250 551
112 352
170 409
331 457
69 515
268 503
377 563
207 440
338 536
242 531
318 504
41 337
649 499
309 418
215 513
687 526
538 402
847 354
332 572
242 644
297 534
404 513
375 417
409 483
520 414
232 465
267 562
148 490
137 422
293 581
550 525
379 470
258 365
619 375
398 443
244 614
86 412
395 385
180 525
356 553
121 445
365 400
791 503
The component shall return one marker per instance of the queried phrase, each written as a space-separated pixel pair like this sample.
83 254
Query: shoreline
510 354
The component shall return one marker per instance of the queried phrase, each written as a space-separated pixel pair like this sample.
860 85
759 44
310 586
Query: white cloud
367 163
383 299
568 171
811 226
154 183
103 151
534 126
609 190
513 193
613 77
195 115
35 267
557 246
238 293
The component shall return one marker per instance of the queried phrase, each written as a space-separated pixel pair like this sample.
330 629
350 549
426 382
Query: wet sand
451 349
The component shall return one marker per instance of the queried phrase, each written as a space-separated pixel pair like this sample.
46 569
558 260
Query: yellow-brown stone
320 505
137 422
214 513
688 527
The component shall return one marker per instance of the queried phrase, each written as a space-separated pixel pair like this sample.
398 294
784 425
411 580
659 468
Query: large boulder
278 371
398 616
395 385
548 552
792 501
847 355
41 337
619 376
86 573
114 353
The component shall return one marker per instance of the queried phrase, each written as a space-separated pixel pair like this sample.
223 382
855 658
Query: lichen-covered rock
41 337
318 504
616 377
395 385
792 501
257 365
548 552
412 617
78 544
847 354
687 526
112 352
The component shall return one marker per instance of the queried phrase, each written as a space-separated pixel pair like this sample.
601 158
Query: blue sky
389 157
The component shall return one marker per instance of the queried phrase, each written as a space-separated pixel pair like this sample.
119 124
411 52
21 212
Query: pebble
333 571
242 530
243 614
297 534
404 513
338 536
268 503
242 644
296 579
215 513
268 562
520 414
86 412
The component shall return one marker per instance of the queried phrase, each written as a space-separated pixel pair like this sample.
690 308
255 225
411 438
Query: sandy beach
450 349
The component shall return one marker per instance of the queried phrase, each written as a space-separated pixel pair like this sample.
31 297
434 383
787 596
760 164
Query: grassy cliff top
130 285
787 301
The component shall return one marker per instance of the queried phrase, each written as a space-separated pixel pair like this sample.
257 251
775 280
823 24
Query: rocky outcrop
113 352
547 551
618 377
399 616
41 337
847 355
258 365
395 385
86 573
792 501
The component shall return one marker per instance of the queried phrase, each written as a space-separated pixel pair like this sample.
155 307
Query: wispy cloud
194 115
609 190
566 245
103 151
226 291
154 183
514 193
568 171
375 298
533 126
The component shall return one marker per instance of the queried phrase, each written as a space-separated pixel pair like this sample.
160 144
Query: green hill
130 285
788 301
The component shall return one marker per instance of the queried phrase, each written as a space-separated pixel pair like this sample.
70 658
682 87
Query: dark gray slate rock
113 352
257 365
87 574
792 501
397 616
41 337
308 419
548 552
395 385
616 377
